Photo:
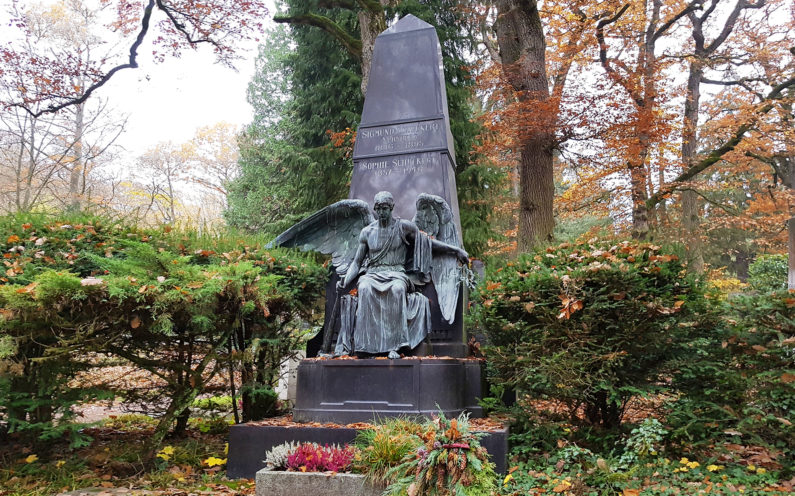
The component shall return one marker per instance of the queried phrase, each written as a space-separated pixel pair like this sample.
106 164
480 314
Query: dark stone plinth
248 444
364 390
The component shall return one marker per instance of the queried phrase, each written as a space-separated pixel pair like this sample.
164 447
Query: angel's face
427 219
383 211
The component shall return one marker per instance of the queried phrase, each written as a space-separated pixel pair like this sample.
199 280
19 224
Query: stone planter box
275 483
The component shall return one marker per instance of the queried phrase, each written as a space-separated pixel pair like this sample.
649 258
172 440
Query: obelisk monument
404 144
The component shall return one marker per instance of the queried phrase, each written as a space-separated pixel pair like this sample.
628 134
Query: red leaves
310 457
491 286
28 289
663 258
343 140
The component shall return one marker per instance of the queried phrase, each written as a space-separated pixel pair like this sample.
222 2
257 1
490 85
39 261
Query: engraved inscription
416 163
399 138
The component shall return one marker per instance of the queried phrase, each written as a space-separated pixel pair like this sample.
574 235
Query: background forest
625 170
667 120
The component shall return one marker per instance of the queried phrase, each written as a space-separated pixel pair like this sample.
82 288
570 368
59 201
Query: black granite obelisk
404 144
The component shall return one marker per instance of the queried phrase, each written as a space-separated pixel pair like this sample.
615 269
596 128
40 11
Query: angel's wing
332 230
435 217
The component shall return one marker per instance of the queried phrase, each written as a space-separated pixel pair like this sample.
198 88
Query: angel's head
383 203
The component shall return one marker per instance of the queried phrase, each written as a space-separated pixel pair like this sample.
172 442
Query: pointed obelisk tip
407 23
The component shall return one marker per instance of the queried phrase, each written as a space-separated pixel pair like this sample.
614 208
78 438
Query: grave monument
396 286
404 146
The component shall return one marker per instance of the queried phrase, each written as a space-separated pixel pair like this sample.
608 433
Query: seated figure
388 257
392 254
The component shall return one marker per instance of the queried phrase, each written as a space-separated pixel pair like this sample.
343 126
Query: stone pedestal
352 391
249 442
364 390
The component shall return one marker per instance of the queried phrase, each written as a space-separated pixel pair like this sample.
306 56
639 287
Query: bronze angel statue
387 258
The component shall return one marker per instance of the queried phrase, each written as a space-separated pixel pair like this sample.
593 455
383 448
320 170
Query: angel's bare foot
393 355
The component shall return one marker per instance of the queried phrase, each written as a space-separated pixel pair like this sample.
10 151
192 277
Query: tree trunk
537 192
690 214
182 422
790 183
600 411
640 213
76 171
645 103
791 253
180 401
370 26
662 208
520 37
690 204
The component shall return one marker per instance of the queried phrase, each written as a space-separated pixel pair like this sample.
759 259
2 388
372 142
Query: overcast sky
170 100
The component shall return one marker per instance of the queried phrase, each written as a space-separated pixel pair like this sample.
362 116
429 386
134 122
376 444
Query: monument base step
446 349
346 391
248 444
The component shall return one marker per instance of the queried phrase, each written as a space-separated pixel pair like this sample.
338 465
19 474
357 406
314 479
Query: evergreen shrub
768 273
179 305
589 324
742 383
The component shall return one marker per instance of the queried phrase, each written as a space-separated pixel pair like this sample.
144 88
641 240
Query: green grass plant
385 446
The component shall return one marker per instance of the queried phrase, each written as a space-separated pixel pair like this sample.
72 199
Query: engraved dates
415 163
400 138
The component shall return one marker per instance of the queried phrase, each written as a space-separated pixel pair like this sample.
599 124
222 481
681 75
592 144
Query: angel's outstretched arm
410 231
440 247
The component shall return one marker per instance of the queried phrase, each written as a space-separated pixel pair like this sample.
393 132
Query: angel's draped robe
389 315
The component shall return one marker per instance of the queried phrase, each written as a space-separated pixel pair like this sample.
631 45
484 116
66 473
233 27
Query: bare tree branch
350 43
725 208
169 11
691 7
737 136
132 63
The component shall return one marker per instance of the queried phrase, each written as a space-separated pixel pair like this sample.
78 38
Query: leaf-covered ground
112 463
195 464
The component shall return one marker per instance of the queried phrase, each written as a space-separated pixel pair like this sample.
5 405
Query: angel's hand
462 256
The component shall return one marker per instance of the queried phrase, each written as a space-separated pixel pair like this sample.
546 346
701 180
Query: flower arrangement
276 458
311 457
450 461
